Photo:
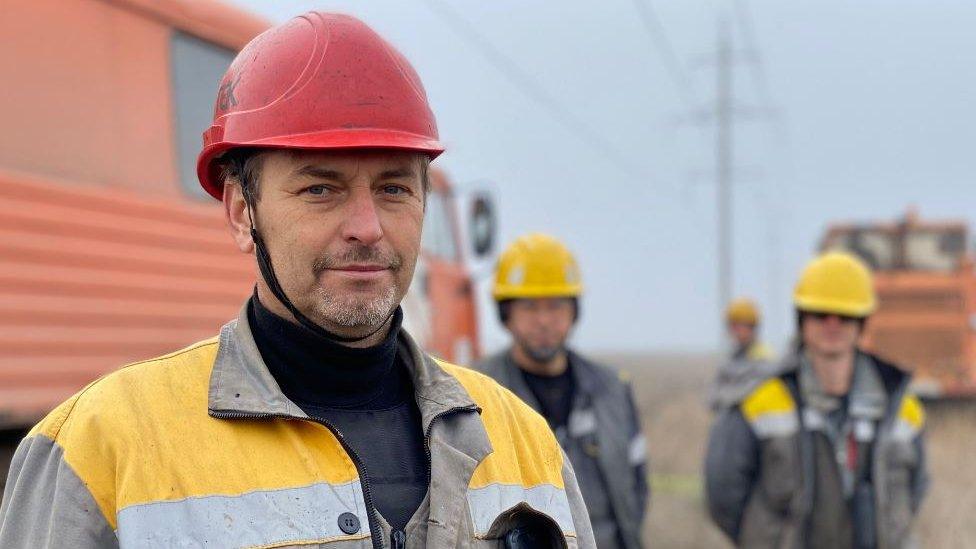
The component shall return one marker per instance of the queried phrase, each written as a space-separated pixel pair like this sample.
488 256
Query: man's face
541 326
342 229
743 334
829 335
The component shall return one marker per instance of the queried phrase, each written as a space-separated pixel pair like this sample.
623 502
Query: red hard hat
319 81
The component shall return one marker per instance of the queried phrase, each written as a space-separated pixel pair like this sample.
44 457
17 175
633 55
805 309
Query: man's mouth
361 272
363 268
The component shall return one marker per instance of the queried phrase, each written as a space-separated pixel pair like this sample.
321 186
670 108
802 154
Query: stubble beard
350 311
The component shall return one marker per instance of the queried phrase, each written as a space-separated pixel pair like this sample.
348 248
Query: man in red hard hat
313 419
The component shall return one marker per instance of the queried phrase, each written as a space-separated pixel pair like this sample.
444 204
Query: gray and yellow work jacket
200 448
779 474
604 441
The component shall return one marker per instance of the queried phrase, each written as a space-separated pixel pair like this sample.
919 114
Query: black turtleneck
365 394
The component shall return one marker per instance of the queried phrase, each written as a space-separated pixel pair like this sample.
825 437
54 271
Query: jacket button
349 523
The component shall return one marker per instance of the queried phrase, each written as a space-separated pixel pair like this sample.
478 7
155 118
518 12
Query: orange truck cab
109 250
926 320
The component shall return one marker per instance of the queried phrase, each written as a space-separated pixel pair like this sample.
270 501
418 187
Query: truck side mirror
483 225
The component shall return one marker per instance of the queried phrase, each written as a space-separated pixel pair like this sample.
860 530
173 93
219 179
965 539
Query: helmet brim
208 169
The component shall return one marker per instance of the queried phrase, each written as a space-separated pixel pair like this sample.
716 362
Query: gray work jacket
772 479
200 448
603 409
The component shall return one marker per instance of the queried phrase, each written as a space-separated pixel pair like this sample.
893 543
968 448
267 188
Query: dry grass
670 392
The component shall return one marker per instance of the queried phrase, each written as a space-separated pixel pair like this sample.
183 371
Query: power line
743 16
532 88
655 30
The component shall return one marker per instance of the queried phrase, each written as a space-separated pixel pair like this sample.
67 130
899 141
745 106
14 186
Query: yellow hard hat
836 283
534 266
742 311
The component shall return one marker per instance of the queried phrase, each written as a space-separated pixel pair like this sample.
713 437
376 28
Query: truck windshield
913 249
934 250
878 248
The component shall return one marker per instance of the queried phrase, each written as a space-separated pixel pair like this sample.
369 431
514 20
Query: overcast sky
872 110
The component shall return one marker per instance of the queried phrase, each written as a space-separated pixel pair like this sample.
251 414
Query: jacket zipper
374 528
398 539
374 523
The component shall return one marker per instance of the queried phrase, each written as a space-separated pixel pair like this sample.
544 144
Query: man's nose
362 222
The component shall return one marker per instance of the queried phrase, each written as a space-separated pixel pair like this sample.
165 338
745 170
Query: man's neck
833 371
550 368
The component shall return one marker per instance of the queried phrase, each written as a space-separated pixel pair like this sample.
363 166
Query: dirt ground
670 392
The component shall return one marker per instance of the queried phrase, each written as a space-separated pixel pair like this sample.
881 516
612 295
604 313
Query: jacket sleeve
637 456
920 475
46 505
581 518
731 468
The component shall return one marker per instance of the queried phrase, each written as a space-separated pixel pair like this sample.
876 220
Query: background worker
828 452
589 407
750 361
312 419
742 319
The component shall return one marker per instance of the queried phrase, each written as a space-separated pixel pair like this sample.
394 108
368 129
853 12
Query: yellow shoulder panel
912 411
525 452
143 434
51 425
773 396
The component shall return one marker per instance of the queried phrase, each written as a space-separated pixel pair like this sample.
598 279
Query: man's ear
237 216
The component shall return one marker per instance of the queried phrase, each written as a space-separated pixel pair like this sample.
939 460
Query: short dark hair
505 309
244 164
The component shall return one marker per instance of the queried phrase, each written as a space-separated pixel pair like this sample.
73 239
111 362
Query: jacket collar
242 387
586 383
870 396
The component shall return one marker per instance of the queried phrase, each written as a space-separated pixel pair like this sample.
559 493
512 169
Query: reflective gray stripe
775 424
637 452
581 422
489 502
903 431
864 430
261 518
814 420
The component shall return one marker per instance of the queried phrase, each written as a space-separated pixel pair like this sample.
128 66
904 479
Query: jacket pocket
767 519
901 461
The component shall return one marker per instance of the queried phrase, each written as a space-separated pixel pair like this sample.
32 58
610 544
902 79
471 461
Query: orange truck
926 319
109 250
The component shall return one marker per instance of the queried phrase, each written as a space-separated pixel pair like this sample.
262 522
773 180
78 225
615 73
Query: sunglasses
824 316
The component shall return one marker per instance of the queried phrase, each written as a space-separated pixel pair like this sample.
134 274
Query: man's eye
394 190
317 190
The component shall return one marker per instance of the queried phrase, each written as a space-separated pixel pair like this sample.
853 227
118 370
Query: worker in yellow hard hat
742 319
750 361
828 451
589 406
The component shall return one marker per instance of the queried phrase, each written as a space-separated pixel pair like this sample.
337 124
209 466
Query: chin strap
267 272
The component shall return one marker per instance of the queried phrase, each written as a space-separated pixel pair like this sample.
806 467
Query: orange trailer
109 250
927 298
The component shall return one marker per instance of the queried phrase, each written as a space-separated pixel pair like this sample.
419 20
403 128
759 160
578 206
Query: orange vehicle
927 298
109 250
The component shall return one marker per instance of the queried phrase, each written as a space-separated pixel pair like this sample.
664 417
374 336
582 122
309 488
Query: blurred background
687 152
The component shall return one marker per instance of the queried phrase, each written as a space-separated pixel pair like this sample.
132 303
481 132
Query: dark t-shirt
555 395
365 394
